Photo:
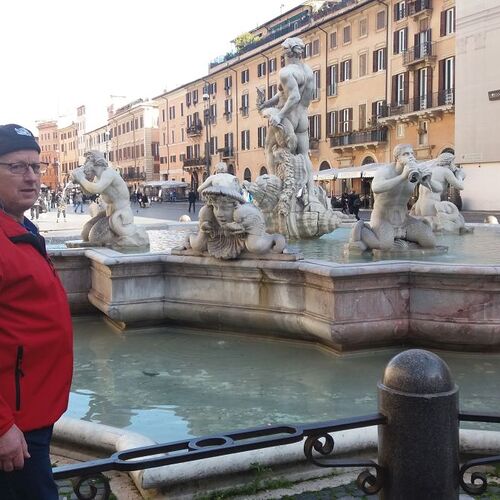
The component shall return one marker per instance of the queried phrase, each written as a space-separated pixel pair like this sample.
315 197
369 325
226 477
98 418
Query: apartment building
478 101
48 140
98 140
384 73
134 142
69 154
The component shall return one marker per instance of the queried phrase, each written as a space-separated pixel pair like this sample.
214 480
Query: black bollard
419 446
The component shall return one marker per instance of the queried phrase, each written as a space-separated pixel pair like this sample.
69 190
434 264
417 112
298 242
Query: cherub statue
114 226
228 225
441 215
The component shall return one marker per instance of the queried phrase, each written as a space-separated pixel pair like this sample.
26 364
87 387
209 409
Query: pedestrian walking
61 206
35 329
192 201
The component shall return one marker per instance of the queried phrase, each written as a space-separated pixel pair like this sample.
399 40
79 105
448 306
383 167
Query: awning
369 171
349 173
173 184
153 183
325 175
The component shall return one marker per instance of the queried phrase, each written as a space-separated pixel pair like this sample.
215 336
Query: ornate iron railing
359 137
444 97
420 52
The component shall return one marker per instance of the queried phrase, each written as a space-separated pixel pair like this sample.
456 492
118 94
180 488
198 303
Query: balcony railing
227 153
359 137
244 110
313 144
134 176
195 129
418 6
442 98
194 162
419 52
286 28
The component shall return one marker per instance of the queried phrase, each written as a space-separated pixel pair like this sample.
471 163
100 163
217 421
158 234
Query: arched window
367 160
230 169
263 171
247 175
324 165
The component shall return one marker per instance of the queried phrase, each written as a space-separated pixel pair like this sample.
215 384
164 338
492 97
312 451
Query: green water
170 384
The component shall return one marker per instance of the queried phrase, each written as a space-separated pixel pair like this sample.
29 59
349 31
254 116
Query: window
228 83
182 135
195 97
244 104
347 34
272 65
424 88
308 50
363 27
228 107
317 83
345 120
381 20
400 41
423 133
400 11
261 136
228 142
245 140
213 145
182 112
171 112
448 22
379 60
261 69
315 127
213 113
362 116
332 77
272 90
447 81
345 70
315 47
245 76
331 123
400 89
333 40
378 110
363 59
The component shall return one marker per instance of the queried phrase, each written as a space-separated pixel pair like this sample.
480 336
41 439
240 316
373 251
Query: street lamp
206 101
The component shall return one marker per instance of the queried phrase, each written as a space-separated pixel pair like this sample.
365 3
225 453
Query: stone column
419 446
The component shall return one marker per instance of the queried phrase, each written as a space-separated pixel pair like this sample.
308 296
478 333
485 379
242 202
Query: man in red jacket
35 329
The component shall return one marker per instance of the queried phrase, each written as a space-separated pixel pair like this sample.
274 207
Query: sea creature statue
229 225
301 210
113 226
391 228
441 215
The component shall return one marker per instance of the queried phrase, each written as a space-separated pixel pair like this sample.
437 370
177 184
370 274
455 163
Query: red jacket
36 355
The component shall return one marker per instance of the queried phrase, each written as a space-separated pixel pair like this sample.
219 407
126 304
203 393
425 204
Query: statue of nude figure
390 222
287 110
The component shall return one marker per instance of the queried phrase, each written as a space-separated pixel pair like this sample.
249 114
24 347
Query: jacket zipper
18 374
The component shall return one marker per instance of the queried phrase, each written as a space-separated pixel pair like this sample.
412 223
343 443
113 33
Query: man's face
406 156
89 170
18 192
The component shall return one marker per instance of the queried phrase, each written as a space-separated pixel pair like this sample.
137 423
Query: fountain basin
344 306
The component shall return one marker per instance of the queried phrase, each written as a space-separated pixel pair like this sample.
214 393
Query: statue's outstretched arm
99 186
270 102
453 180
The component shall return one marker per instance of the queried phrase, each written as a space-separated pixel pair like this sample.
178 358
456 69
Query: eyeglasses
22 168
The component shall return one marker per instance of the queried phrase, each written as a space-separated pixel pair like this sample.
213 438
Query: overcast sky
60 54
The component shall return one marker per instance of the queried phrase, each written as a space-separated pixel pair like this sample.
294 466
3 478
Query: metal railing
359 137
227 152
194 162
418 6
418 412
194 129
419 52
139 176
442 98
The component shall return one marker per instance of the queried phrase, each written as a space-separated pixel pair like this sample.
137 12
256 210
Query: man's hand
13 450
275 120
409 170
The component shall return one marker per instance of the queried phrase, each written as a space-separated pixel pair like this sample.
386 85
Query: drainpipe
167 119
237 115
326 69
387 73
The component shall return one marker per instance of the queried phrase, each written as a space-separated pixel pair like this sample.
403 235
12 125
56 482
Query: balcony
226 153
419 8
194 130
244 110
429 106
422 53
359 139
192 163
313 145
134 176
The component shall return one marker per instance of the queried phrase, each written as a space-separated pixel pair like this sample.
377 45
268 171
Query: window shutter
384 52
349 73
396 12
407 87
395 44
328 77
338 121
416 91
336 73
429 86
350 116
374 68
319 127
394 97
374 111
342 68
443 23
406 38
